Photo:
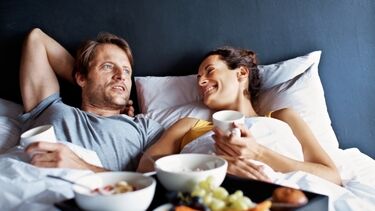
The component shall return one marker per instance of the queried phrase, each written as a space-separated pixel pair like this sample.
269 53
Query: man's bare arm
42 58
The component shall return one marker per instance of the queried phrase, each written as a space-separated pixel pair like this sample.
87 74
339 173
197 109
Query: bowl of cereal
181 172
114 191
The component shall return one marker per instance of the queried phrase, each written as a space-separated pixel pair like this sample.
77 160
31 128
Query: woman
228 79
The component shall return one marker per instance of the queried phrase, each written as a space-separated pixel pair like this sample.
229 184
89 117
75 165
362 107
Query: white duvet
25 187
357 170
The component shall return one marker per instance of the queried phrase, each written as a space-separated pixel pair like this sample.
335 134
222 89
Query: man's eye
107 66
127 71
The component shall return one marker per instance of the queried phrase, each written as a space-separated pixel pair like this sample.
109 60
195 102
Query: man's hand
129 109
57 155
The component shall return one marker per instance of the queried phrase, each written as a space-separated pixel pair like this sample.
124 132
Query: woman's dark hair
88 49
236 57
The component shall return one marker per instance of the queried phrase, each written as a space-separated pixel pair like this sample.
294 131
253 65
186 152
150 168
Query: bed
316 56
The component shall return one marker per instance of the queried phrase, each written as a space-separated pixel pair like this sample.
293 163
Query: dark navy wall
168 37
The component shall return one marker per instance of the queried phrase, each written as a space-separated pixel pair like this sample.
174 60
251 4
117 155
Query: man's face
108 82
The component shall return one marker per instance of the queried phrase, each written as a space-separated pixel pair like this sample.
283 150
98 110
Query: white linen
25 187
272 133
356 169
10 127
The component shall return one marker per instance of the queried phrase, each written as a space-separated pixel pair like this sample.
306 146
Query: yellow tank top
201 127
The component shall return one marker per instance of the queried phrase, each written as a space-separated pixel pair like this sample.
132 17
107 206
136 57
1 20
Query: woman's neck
247 109
244 106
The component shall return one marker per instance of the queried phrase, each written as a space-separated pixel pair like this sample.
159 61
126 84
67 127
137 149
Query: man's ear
80 79
243 73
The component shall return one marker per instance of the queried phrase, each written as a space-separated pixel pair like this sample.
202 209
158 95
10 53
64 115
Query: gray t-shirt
118 140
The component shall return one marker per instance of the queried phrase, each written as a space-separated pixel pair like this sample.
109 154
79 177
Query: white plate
164 207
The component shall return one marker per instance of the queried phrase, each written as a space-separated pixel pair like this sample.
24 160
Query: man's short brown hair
88 49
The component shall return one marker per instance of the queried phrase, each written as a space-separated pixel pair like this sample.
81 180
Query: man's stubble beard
106 99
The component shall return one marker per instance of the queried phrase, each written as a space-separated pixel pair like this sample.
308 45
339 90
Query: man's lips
121 88
118 87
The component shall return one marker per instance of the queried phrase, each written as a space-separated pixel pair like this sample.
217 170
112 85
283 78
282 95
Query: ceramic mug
41 133
224 121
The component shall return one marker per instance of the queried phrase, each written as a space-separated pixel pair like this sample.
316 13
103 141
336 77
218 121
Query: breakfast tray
256 190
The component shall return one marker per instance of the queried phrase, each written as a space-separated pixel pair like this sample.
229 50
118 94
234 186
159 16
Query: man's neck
100 111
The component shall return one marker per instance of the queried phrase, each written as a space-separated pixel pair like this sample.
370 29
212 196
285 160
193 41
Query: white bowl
180 172
138 200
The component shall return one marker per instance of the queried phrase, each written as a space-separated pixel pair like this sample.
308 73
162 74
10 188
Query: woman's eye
209 71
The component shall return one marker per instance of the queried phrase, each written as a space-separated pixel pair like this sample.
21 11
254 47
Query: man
103 70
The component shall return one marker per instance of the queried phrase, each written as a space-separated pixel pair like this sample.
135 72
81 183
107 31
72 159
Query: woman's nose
202 81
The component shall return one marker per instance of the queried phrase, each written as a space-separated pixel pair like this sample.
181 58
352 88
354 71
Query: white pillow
10 127
167 116
165 92
292 83
303 92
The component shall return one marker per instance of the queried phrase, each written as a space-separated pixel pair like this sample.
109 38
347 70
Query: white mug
41 133
224 120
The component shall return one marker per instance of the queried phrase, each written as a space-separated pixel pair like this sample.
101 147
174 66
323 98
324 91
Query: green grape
239 204
206 185
211 181
232 198
220 193
198 192
248 202
218 198
238 193
207 199
217 204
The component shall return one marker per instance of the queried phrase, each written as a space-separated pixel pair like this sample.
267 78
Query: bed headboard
169 37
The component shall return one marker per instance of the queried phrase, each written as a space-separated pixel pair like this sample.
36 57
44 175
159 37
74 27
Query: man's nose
120 73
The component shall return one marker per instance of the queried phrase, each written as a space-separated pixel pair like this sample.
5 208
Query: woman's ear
80 79
243 73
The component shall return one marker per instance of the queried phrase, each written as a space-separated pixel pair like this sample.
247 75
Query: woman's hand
243 146
244 167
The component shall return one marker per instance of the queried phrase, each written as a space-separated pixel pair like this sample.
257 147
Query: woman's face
219 86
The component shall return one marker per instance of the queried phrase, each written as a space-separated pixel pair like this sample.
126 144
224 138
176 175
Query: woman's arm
317 161
169 143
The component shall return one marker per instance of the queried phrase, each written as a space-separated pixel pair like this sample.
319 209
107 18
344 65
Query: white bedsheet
25 187
357 171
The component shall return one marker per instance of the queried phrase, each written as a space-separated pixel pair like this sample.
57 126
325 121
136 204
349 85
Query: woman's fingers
256 170
245 168
220 150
